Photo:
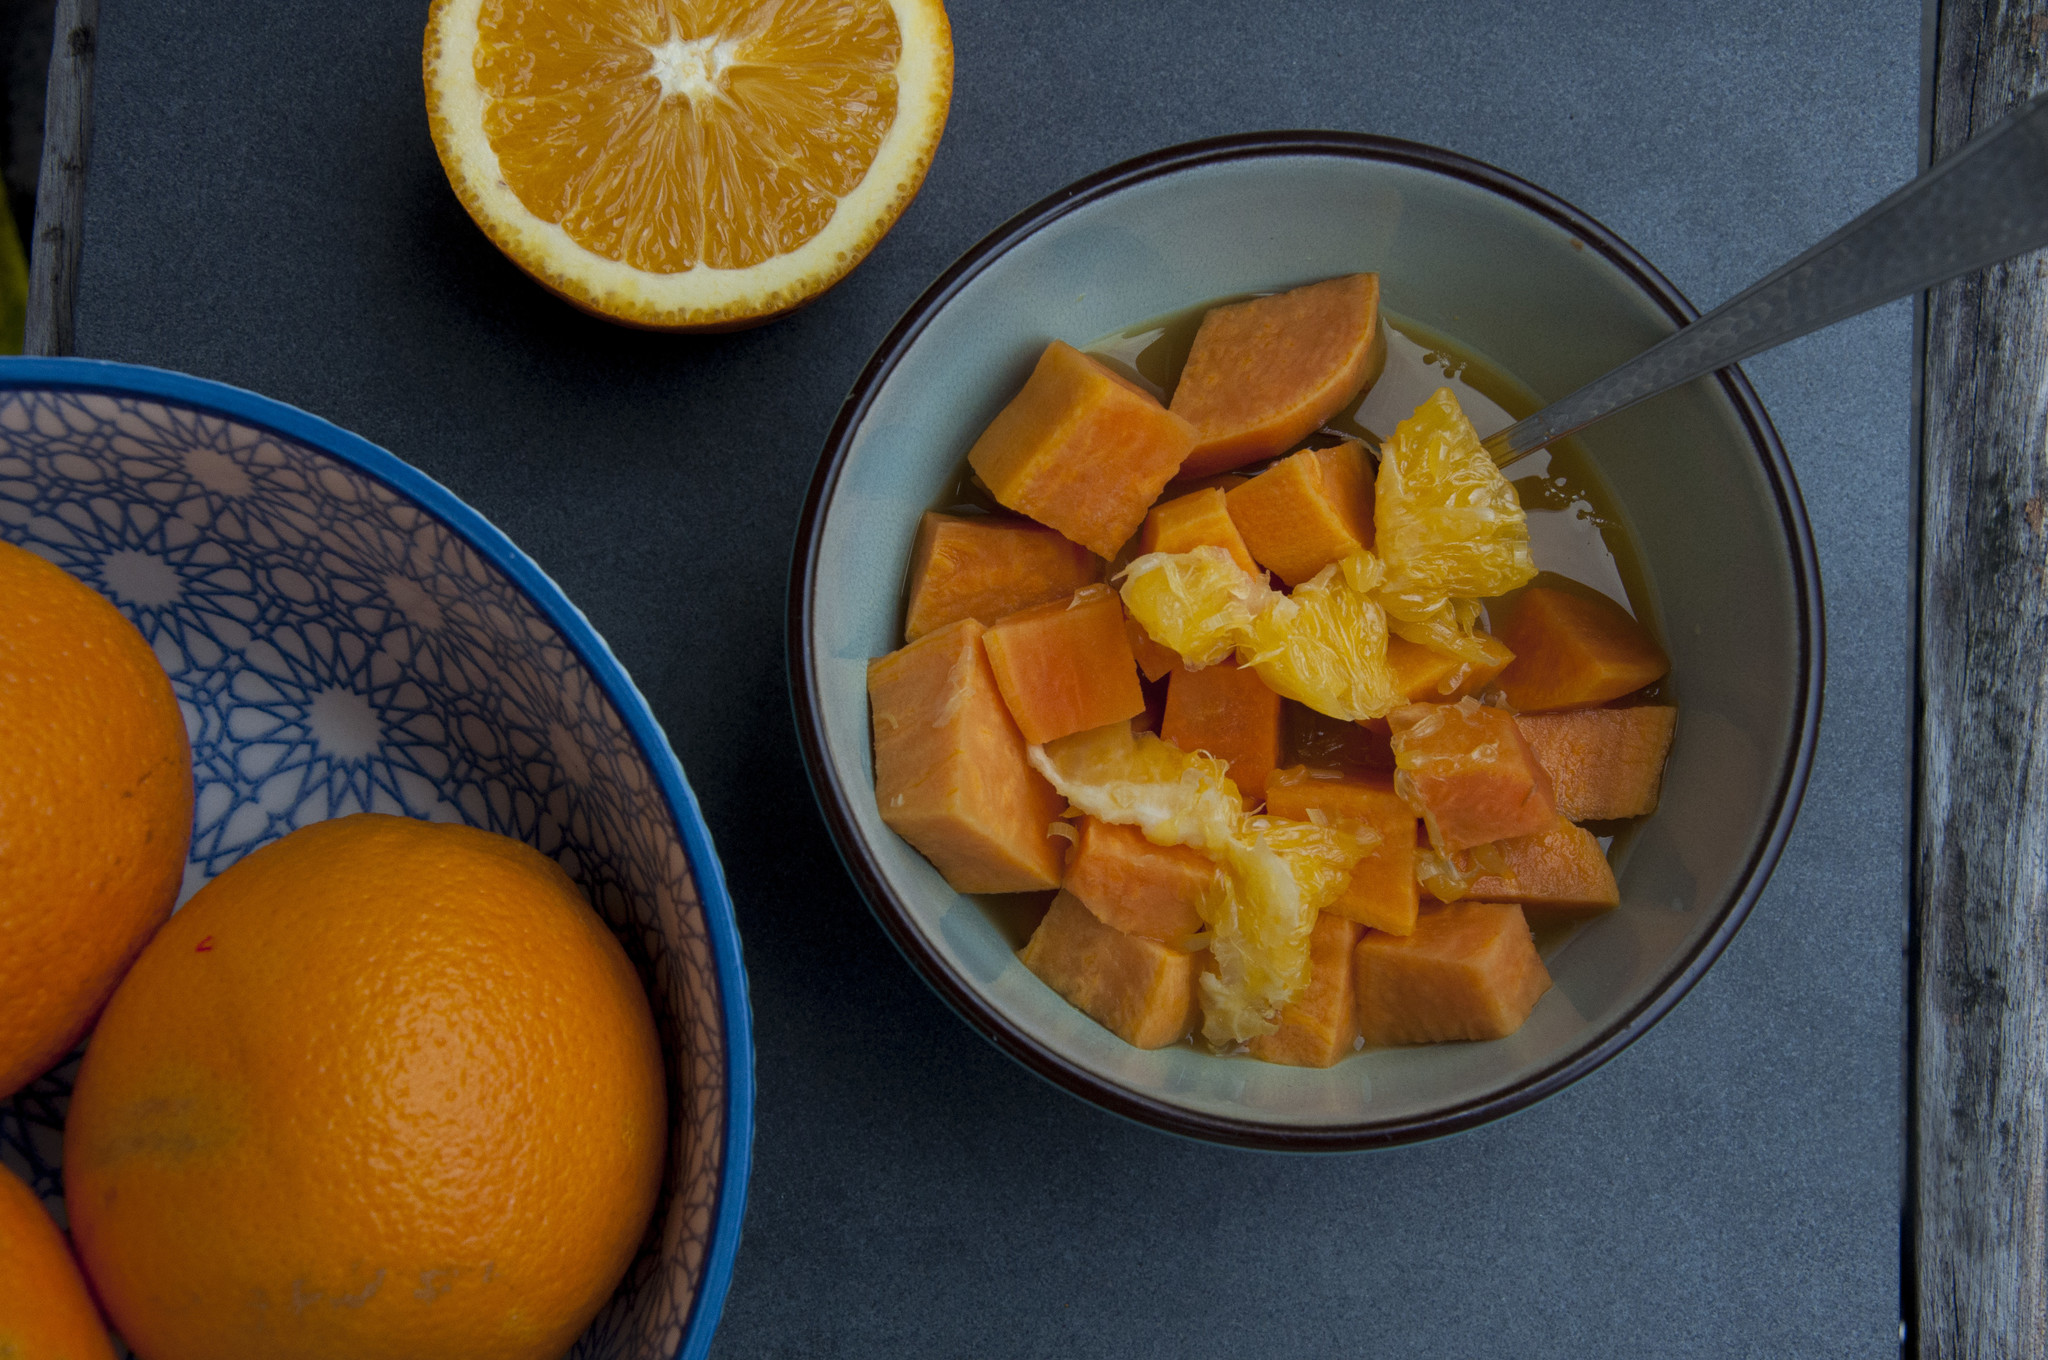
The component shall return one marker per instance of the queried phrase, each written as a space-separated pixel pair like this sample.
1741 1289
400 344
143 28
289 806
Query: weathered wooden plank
60 189
1980 1156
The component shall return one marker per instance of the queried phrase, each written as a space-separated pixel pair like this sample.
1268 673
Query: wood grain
60 188
1980 1141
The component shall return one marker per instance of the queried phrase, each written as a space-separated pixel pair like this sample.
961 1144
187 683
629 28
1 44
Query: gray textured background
265 208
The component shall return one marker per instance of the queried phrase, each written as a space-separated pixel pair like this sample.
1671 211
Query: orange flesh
1231 714
1562 869
950 772
1307 511
1383 892
1604 763
1263 374
1140 990
1187 522
1470 971
1467 769
773 112
1066 667
1136 886
1574 650
988 567
1317 1027
1155 659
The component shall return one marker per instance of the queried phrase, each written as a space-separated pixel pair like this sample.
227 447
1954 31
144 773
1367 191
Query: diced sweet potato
1230 713
986 566
950 772
1307 511
1317 1028
1574 650
1192 521
1134 885
1140 990
1466 768
1604 763
1382 892
1081 449
1423 674
1470 971
1560 871
1155 659
1263 374
1066 667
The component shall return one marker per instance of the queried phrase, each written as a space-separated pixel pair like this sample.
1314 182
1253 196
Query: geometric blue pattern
336 646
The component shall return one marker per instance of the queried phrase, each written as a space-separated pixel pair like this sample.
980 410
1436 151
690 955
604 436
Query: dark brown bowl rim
836 804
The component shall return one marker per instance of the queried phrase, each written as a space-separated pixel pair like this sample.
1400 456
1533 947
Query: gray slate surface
265 208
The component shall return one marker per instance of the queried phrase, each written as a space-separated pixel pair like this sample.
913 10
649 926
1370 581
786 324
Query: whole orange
45 1312
384 1088
95 808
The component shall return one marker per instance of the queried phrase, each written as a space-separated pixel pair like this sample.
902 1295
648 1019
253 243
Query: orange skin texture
1307 511
1082 449
1230 713
95 808
1140 990
1066 667
385 1088
1470 971
951 776
46 1312
1421 673
1574 650
984 567
1466 768
1317 1027
1604 763
1192 521
1263 374
1382 892
1134 885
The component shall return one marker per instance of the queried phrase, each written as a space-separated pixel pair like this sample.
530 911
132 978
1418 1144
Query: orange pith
620 122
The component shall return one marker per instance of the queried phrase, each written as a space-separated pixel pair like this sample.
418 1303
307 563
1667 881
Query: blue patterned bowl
344 635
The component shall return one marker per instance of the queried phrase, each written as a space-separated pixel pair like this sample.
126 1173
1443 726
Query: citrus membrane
1449 527
1276 873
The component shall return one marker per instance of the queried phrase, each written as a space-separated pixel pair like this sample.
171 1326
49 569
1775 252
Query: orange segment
687 163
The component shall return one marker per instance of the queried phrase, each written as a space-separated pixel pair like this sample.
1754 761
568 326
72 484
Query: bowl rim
110 378
806 686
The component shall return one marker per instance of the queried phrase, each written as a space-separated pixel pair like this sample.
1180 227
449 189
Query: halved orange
687 164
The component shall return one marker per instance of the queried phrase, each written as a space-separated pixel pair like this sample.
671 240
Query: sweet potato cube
987 566
1307 511
1081 449
1155 659
1467 770
1140 990
950 772
1230 713
1138 887
1428 676
1263 374
1574 650
1383 892
1065 667
1559 873
1470 971
1604 763
1192 521
1317 1028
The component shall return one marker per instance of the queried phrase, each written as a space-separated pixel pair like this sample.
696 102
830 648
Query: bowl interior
344 636
1727 584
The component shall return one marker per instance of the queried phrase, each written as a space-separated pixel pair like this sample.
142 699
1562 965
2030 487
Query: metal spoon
1985 203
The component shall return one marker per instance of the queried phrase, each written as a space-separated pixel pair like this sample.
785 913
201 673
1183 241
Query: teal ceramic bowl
1516 276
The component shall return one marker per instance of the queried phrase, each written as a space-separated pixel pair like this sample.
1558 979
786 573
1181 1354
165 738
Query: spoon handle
1985 203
